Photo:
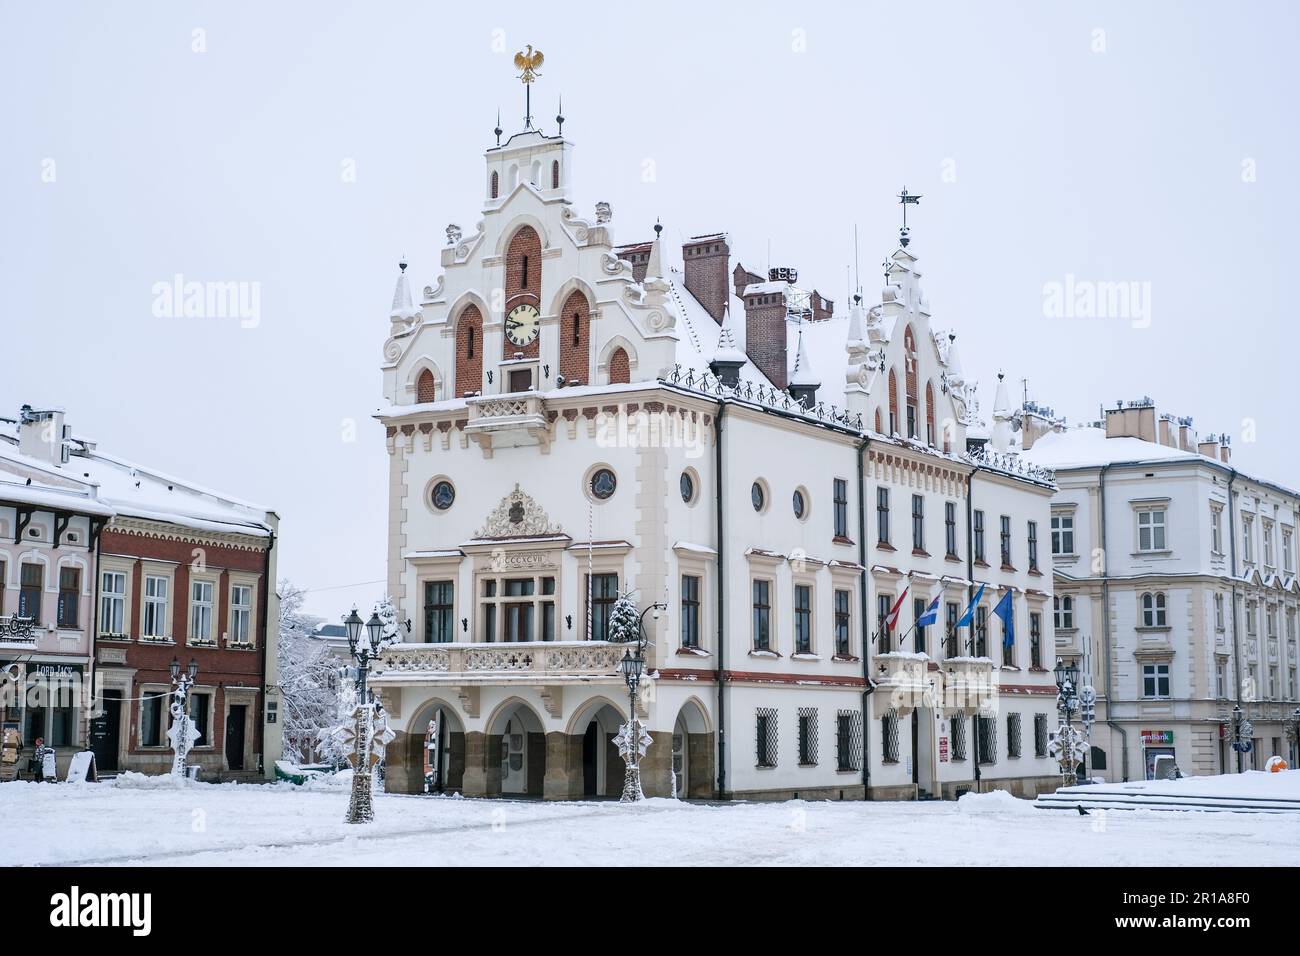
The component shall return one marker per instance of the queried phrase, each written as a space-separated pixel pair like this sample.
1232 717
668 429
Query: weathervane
906 198
527 63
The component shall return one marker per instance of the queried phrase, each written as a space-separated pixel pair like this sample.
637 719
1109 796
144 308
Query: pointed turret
803 380
727 358
404 310
1000 438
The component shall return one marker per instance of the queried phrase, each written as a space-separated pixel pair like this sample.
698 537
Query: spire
802 375
727 350
527 64
654 268
906 199
403 307
559 118
498 129
1002 427
855 321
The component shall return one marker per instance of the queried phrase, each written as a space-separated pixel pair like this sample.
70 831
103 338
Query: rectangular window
1216 530
1040 735
957 727
978 521
841 623
953 648
981 632
1035 639
882 515
950 528
987 739
884 603
841 502
1247 537
1221 679
1151 530
765 737
548 609
155 606
918 523
151 719
848 739
199 714
1218 612
889 737
201 611
1004 534
918 609
1033 546
439 612
519 617
1268 544
241 614
31 584
802 619
1063 612
807 736
69 614
1288 553
690 611
112 603
604 593
1155 681
3 578
1008 650
1013 735
762 592
1062 534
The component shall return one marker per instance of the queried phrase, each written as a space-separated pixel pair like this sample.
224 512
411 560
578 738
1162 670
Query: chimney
706 260
1138 420
1167 431
822 307
41 433
1037 421
638 253
765 332
1225 449
742 277
1186 438
1210 447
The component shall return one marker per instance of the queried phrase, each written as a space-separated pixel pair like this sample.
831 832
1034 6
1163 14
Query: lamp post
361 806
1242 733
632 666
1067 702
180 711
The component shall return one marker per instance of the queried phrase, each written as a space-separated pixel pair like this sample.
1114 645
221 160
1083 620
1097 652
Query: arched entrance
692 754
601 769
516 752
436 748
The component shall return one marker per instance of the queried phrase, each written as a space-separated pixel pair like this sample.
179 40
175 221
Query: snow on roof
766 288
1088 445
802 372
824 350
698 334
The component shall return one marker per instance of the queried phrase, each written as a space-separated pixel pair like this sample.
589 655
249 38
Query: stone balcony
902 682
558 662
968 684
507 421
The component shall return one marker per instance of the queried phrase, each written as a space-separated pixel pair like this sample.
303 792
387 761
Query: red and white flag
892 617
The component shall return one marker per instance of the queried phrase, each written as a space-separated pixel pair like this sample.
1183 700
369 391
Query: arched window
893 403
1063 612
909 373
523 283
929 413
620 372
575 328
426 387
1153 609
555 174
496 184
878 422
469 351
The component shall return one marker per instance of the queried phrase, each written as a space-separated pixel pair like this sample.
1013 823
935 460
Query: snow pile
995 801
131 780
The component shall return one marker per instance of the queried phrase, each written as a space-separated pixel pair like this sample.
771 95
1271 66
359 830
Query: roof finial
498 129
906 199
402 264
527 64
658 227
559 117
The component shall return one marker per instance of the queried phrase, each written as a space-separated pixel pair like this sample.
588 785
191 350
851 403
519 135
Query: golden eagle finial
527 64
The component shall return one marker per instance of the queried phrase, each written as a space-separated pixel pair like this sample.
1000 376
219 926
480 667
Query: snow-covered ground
213 825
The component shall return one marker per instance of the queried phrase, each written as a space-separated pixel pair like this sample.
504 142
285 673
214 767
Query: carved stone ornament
517 516
453 234
604 212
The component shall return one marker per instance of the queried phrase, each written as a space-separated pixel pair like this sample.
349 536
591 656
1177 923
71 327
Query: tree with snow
309 682
624 621
391 633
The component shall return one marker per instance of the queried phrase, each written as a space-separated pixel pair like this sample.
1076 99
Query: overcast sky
1151 143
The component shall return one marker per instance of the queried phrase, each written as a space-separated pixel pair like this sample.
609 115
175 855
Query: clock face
522 324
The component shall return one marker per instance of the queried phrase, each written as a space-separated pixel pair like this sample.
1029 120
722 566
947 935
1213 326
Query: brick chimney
707 260
765 328
638 253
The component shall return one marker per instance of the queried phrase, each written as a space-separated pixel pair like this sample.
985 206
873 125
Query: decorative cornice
517 515
165 531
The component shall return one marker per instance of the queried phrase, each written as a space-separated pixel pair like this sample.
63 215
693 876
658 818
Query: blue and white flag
931 613
1006 610
965 619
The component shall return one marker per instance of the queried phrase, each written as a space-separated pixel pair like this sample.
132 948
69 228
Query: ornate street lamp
181 733
632 740
361 804
1068 748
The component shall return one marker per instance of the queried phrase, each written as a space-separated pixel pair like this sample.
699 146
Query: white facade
1194 579
516 493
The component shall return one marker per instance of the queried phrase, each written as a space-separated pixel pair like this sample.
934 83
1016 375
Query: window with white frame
1221 679
803 619
842 598
1250 618
1063 612
112 604
690 610
1154 609
1062 533
1151 529
1268 544
241 614
1247 536
1288 552
1272 682
1155 681
1218 612
1216 529
201 612
517 609
156 589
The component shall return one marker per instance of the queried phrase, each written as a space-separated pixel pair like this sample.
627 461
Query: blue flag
965 619
931 613
1007 612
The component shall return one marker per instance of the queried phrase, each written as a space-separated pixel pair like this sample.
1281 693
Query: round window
443 495
798 503
757 497
603 483
687 486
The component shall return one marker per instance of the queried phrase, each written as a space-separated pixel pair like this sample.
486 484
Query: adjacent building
155 570
1176 587
569 420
